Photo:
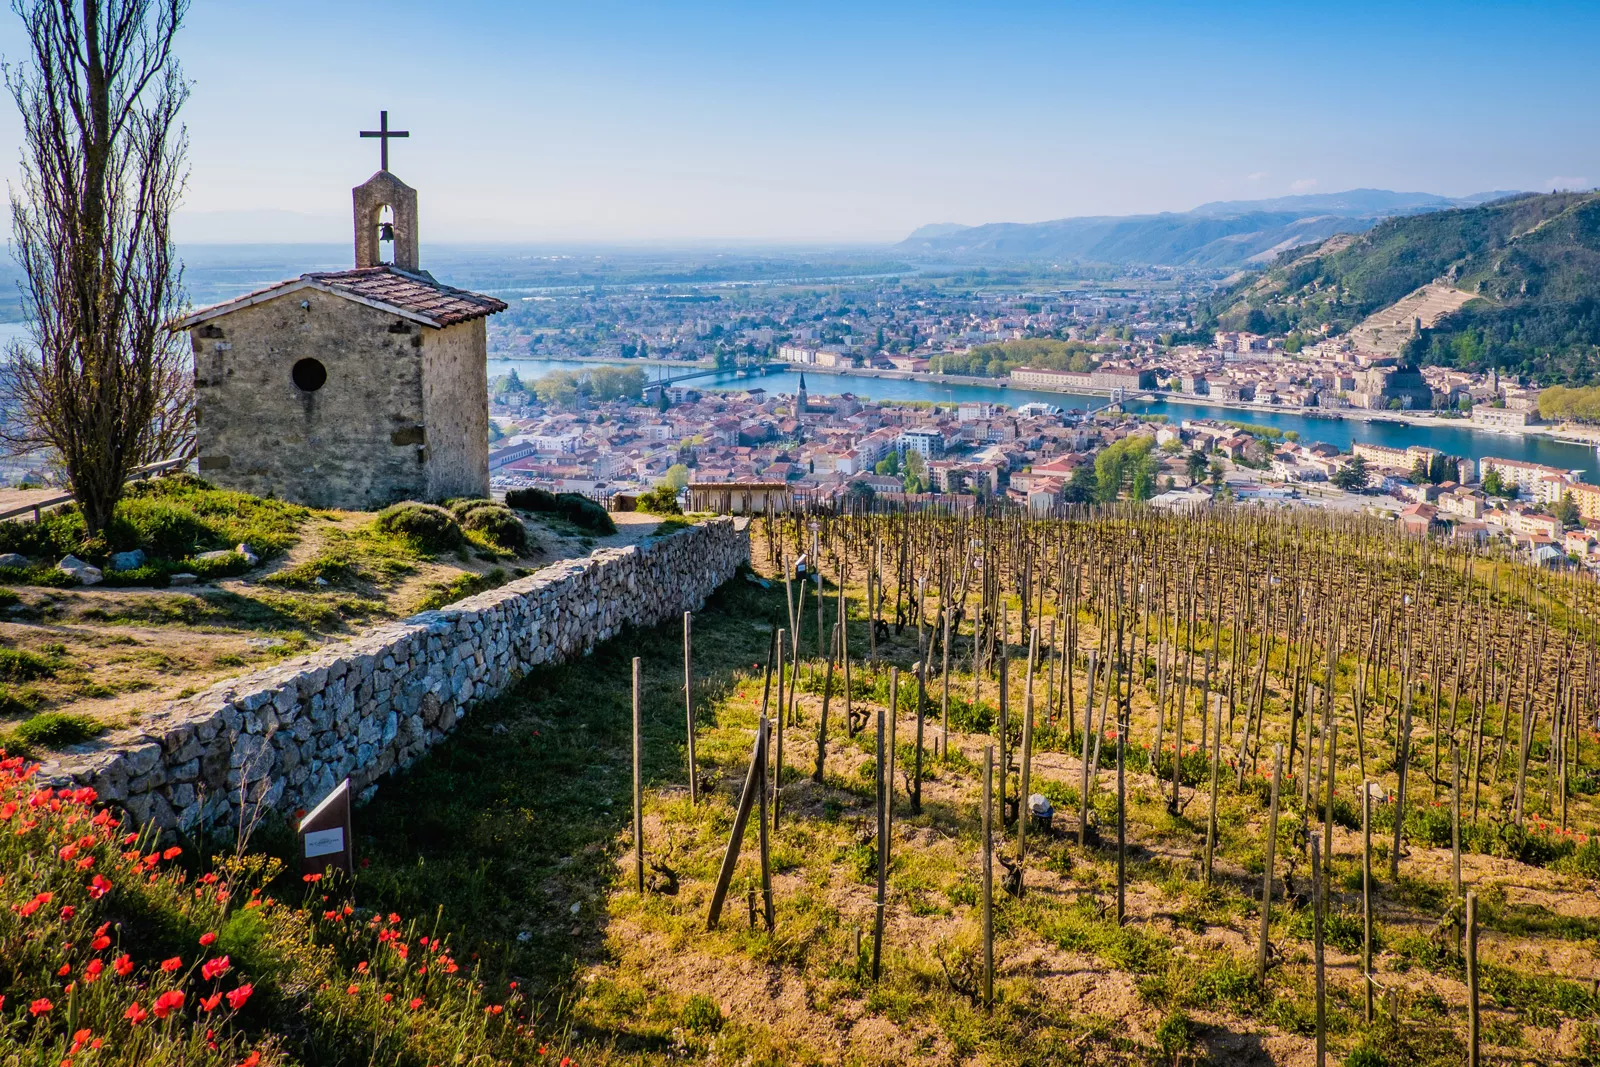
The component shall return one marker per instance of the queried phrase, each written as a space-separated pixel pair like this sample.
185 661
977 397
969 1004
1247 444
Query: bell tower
385 211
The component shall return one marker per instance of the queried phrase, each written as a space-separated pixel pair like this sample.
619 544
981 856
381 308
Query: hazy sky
631 122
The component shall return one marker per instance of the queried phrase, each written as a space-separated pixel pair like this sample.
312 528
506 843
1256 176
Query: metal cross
383 133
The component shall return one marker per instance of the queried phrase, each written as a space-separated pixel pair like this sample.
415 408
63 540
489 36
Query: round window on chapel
309 375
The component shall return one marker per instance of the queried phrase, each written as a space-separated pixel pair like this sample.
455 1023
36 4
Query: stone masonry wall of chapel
354 443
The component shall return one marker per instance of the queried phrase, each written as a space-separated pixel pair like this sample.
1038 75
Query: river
1341 433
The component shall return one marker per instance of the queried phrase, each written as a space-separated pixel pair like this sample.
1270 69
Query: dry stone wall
281 738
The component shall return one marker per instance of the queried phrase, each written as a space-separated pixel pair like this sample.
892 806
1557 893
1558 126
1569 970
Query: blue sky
838 122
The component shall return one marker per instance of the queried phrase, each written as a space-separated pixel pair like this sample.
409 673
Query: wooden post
827 692
1216 763
688 704
1455 822
1272 846
944 672
922 695
1400 790
1473 1020
1122 798
1316 943
777 770
884 783
1083 796
761 834
1331 741
1366 895
988 876
741 818
1027 760
638 784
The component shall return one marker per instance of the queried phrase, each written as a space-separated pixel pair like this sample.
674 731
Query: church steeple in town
800 398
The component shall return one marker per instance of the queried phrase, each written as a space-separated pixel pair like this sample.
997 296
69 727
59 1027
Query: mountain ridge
1219 234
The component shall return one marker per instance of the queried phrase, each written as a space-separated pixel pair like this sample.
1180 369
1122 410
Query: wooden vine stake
988 876
688 704
822 722
1083 795
1317 952
885 786
1366 895
755 782
638 783
1216 764
1027 760
1266 880
777 768
1474 1022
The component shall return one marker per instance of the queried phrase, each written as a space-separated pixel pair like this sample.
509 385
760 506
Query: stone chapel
349 389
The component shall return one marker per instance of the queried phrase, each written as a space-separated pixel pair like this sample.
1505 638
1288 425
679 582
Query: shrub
531 499
500 525
461 507
662 500
584 513
170 518
164 529
426 526
54 535
701 1015
574 507
55 729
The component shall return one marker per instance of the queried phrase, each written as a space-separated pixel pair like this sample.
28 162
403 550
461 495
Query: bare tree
106 384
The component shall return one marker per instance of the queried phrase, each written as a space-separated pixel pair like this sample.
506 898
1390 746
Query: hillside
1181 649
1530 264
1220 234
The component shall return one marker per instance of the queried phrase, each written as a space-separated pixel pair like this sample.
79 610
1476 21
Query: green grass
171 519
51 730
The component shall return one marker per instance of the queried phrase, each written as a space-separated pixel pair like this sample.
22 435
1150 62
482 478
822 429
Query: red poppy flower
353 990
40 1007
123 965
237 997
215 968
135 1014
167 1003
99 887
207 938
416 1002
210 1003
35 904
250 1060
172 853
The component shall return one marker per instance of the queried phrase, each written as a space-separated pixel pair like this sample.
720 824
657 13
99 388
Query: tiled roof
416 293
413 295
